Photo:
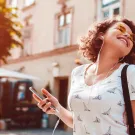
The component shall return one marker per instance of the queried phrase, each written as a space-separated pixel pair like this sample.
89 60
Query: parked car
17 107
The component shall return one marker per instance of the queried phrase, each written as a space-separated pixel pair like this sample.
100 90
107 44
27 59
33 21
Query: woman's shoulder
131 69
79 69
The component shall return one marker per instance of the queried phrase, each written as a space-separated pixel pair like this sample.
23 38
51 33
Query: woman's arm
45 104
65 116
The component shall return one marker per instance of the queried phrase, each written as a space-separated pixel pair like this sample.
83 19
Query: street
34 132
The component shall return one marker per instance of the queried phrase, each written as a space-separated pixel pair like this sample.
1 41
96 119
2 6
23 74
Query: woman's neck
104 64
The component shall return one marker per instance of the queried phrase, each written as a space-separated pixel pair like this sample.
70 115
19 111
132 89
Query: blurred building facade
50 33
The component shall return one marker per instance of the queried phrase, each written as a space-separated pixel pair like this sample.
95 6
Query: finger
36 98
45 92
38 105
43 103
50 111
47 106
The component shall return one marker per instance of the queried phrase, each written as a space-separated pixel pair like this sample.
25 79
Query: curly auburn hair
90 44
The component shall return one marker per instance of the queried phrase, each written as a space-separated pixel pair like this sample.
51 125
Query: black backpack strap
127 96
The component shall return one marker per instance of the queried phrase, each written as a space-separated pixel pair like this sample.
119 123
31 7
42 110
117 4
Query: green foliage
10 31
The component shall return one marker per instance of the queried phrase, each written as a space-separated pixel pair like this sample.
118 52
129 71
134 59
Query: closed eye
123 30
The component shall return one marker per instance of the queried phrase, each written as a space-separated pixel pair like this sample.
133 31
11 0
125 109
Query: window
13 4
21 92
27 50
27 36
63 31
110 8
28 20
108 2
116 11
27 41
106 14
28 2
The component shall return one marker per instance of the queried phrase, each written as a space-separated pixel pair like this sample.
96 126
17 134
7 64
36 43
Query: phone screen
36 93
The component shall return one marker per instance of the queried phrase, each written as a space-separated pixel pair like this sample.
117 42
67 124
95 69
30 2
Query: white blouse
99 109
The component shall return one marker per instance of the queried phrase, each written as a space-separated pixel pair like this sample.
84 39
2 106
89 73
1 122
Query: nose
126 35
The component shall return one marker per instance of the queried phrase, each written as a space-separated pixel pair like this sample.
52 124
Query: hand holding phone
41 97
52 99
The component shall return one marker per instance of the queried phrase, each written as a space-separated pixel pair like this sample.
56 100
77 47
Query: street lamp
78 62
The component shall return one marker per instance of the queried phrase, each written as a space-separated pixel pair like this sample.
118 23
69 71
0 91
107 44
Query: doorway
62 87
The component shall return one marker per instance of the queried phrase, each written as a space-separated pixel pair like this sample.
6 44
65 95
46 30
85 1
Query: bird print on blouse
120 103
116 121
109 81
132 89
79 118
97 120
77 96
112 91
87 133
119 123
85 107
107 112
108 132
80 74
99 97
70 104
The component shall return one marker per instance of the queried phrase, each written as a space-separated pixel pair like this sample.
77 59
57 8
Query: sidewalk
34 132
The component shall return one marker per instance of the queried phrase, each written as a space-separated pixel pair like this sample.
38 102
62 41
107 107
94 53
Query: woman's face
119 38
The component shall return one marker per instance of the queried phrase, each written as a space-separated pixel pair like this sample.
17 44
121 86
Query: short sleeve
70 90
131 81
72 78
77 70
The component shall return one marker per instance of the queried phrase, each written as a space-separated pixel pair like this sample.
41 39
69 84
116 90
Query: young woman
96 97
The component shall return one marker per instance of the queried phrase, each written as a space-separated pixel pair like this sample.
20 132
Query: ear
101 35
99 40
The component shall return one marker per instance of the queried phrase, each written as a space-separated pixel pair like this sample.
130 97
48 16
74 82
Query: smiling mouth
123 40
